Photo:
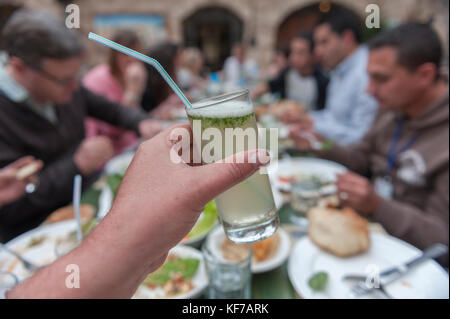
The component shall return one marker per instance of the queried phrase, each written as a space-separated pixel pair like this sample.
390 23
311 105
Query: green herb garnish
114 182
186 267
225 122
318 281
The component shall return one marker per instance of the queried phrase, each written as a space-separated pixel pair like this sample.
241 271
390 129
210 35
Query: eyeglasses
62 82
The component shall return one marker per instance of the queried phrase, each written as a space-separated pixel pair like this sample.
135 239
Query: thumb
222 175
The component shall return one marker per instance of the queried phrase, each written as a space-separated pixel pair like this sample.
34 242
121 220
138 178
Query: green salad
174 268
206 222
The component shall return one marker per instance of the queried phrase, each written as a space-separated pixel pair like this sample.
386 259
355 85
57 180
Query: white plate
428 280
200 279
105 201
217 236
119 164
41 254
326 170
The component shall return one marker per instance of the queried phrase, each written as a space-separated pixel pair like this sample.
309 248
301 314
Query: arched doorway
214 30
303 19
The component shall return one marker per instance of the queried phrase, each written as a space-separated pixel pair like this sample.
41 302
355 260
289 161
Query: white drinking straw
76 205
143 58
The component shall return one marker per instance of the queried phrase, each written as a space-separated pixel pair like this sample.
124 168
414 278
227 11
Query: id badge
384 187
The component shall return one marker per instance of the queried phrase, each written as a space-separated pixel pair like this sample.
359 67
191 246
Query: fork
315 143
28 265
395 273
361 289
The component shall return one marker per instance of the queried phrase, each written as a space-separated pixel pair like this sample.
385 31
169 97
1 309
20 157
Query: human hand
92 153
158 202
12 187
357 192
163 199
306 140
165 108
149 128
300 119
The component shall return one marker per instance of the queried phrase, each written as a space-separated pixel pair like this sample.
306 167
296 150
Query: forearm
131 98
351 157
113 113
111 264
338 132
260 90
349 127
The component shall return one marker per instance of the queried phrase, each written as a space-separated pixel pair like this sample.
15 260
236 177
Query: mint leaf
318 281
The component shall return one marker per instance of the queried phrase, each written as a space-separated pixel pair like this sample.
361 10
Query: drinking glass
305 195
227 279
222 126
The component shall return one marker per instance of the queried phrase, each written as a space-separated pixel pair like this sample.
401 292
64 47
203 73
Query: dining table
272 284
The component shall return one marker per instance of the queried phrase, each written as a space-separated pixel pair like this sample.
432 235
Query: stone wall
261 17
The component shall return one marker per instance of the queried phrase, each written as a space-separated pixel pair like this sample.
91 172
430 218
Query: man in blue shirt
349 110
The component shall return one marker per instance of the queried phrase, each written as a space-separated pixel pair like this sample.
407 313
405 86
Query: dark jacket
24 132
278 85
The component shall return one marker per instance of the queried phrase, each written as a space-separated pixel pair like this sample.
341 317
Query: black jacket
23 132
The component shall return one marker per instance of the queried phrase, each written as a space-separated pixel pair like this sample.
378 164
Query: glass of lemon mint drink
223 126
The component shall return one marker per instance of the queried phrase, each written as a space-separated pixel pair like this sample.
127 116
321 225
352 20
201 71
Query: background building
214 25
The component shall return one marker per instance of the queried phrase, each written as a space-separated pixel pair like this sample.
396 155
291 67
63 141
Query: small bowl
7 280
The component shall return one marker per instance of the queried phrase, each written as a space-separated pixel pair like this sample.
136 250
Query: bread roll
341 232
28 170
65 213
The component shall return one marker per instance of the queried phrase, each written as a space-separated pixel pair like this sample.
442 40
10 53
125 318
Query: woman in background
158 97
121 80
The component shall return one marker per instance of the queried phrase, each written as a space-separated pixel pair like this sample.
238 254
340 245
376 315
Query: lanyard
393 152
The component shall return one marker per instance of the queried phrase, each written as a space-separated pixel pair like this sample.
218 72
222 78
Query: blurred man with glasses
42 112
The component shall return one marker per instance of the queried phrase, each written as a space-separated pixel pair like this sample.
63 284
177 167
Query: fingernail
259 156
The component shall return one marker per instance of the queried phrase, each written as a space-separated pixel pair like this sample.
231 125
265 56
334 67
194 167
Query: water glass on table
227 279
305 195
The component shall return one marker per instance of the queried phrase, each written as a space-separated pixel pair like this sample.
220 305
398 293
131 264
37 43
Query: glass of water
305 195
227 279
